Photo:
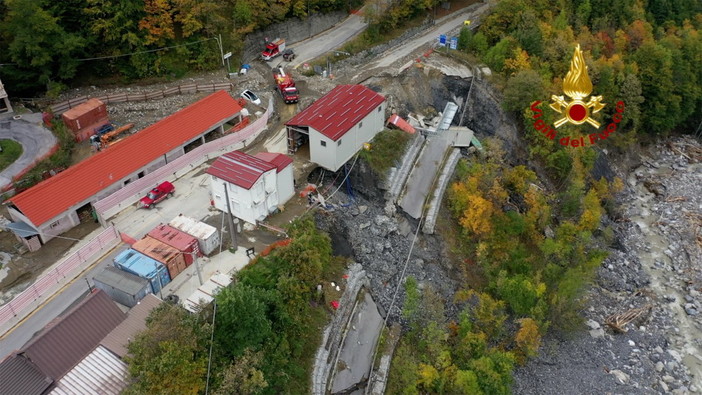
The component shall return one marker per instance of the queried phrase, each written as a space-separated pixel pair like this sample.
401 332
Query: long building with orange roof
52 206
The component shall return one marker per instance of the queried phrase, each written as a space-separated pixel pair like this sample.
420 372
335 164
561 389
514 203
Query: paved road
443 26
422 176
41 317
321 44
36 142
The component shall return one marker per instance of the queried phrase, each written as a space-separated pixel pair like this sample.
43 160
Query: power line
129 54
147 51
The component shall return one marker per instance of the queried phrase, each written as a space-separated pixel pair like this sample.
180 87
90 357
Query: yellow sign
577 86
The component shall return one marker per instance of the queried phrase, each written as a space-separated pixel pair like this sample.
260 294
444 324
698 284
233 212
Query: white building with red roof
255 185
337 125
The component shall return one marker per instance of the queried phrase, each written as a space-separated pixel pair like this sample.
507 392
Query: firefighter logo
577 86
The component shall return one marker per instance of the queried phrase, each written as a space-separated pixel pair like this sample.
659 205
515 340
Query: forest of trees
43 43
529 245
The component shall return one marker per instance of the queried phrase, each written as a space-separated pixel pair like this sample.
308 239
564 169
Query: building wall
285 185
249 205
334 154
323 155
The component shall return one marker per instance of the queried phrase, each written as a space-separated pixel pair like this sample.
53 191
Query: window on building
360 125
54 224
379 108
338 143
324 143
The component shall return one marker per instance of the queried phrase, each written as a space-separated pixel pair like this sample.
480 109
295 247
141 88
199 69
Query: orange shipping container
173 259
84 118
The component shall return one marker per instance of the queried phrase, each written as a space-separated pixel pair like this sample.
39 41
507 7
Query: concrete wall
292 30
285 184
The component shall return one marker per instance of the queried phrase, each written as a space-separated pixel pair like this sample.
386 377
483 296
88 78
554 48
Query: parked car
162 191
288 55
250 96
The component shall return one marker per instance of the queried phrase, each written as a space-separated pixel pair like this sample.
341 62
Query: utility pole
221 51
229 217
197 267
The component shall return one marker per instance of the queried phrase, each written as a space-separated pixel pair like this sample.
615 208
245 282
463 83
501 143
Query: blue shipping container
137 263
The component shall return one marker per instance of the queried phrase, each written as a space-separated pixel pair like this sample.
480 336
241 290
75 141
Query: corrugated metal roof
101 372
143 266
117 340
239 168
193 227
155 249
124 281
338 111
59 348
79 110
18 375
280 161
173 237
57 194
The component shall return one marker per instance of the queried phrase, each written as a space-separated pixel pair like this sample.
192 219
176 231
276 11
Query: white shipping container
207 236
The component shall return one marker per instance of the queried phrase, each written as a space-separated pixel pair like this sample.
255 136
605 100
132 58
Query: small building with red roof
53 206
337 125
254 185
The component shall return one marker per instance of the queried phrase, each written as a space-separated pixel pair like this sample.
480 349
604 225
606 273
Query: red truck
162 191
285 84
273 49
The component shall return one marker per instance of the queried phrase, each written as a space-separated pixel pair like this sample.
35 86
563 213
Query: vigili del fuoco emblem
577 86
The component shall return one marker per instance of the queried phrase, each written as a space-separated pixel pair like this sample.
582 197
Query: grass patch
10 151
387 148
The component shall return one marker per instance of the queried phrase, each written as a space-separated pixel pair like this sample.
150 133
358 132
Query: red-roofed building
337 125
52 206
255 185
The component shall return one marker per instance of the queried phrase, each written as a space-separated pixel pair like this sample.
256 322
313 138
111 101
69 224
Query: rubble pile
381 244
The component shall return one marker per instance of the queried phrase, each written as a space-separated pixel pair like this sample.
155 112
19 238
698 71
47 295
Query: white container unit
207 236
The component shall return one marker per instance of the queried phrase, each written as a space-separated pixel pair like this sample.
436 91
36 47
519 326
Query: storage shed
84 118
123 287
134 262
177 239
207 236
169 256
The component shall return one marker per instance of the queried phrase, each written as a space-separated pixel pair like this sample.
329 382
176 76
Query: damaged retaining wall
333 333
446 174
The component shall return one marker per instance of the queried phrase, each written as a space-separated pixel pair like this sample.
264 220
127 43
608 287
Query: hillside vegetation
45 44
529 250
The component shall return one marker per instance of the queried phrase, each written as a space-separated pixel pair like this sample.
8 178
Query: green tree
41 48
661 109
170 356
243 377
243 319
522 89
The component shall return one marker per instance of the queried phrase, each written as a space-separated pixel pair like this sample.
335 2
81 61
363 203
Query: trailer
123 287
177 239
134 262
173 259
207 236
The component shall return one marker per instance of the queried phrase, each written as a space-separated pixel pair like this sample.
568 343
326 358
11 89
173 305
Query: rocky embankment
642 332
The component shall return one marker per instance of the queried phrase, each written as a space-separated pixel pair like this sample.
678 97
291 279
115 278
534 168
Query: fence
132 192
51 282
61 107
